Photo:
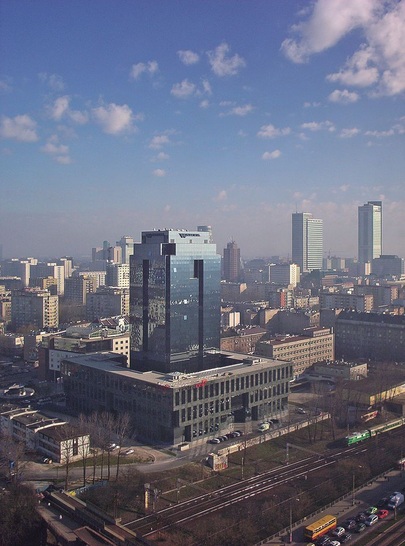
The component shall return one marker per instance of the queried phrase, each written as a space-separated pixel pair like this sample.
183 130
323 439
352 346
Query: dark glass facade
175 295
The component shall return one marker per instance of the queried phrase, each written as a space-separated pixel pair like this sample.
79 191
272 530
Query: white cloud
183 90
159 141
159 173
330 20
271 155
240 110
161 156
60 152
61 109
359 70
5 85
21 128
206 87
188 57
54 81
379 61
349 132
270 131
223 65
221 196
151 67
311 104
344 187
113 118
343 97
318 126
380 134
204 103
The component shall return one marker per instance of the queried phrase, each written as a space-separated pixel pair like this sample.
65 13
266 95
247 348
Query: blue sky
122 116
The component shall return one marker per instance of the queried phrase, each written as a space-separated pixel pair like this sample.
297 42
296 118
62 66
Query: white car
338 532
334 543
129 451
371 520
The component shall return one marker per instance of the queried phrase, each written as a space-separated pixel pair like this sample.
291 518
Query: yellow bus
320 527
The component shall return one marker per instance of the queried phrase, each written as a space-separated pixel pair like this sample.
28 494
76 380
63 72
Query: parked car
360 527
300 410
371 510
371 520
129 451
381 514
334 543
345 538
215 441
338 532
349 524
361 517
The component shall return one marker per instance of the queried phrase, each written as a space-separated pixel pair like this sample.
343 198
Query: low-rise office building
314 345
180 407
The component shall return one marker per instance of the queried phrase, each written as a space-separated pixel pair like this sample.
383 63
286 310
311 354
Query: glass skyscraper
307 241
175 297
370 231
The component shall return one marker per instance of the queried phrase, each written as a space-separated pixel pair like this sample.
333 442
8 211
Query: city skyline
234 115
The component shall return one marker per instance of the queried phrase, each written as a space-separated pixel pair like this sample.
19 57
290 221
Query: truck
263 426
396 499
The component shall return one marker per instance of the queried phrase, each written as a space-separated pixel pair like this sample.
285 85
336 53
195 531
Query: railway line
209 503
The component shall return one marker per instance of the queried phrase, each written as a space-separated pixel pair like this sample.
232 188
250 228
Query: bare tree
122 425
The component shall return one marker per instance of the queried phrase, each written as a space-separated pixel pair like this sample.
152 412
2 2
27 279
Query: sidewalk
343 509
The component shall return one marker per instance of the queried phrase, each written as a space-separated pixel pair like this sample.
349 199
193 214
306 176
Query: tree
20 524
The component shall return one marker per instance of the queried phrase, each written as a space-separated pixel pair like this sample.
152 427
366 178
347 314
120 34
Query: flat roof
239 364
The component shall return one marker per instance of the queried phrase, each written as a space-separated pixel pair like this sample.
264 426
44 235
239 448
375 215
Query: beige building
340 370
340 300
107 301
34 307
314 345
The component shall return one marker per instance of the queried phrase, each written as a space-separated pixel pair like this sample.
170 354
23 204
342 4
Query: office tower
175 296
285 274
208 232
67 262
117 275
232 262
34 307
370 231
127 248
307 241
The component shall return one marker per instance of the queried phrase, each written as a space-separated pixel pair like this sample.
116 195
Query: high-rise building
307 241
285 274
126 244
107 301
175 296
34 307
232 262
117 275
370 231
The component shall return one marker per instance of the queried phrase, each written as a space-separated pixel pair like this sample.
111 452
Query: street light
291 520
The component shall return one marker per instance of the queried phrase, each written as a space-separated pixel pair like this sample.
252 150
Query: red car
382 514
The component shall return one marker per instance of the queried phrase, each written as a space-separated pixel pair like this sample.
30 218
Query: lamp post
291 520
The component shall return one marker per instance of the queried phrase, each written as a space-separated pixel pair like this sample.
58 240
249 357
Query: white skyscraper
370 231
307 241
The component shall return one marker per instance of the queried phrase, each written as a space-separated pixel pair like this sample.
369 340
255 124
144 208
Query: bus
320 527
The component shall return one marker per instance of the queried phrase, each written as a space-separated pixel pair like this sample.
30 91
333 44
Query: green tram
356 437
